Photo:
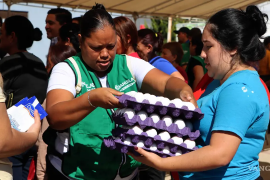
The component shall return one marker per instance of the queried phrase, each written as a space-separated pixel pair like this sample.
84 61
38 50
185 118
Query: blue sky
38 15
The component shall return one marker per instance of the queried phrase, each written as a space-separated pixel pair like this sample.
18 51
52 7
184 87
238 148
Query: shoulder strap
79 81
129 67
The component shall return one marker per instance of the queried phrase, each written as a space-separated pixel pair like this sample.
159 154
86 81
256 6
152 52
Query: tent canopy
181 8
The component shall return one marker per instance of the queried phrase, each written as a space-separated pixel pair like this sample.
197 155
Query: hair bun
258 18
37 34
99 6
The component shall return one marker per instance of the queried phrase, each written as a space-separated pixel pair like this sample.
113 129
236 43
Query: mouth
207 64
103 63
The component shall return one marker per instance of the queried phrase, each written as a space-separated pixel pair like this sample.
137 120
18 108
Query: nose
203 54
104 54
47 26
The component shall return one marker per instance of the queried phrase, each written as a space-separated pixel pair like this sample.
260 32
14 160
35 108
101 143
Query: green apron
87 157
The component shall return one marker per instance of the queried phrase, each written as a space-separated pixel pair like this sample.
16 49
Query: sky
37 16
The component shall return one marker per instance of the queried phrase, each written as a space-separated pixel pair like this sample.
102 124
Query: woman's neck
14 50
239 67
130 50
175 64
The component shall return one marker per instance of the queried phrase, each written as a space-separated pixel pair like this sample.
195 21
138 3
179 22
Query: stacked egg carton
155 124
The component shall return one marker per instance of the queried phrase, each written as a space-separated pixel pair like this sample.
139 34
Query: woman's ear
174 57
80 39
233 52
128 38
149 48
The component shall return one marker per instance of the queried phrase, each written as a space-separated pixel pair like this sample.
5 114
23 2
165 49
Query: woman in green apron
80 117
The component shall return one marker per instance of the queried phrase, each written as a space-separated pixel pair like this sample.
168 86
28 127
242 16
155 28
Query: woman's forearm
174 86
13 142
65 114
202 159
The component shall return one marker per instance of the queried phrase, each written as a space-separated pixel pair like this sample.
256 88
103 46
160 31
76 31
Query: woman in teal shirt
235 104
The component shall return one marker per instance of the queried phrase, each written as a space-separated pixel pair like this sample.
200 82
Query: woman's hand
35 128
187 96
148 158
105 98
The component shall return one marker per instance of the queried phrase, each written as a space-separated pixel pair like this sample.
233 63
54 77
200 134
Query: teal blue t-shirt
240 105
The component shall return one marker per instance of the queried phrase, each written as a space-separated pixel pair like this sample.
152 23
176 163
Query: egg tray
118 144
123 119
171 110
148 141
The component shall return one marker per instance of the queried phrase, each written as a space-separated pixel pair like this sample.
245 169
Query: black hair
95 19
147 36
266 41
62 15
195 32
71 31
23 30
1 21
197 41
238 30
79 19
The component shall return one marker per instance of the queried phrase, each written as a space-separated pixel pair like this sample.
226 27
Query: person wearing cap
183 34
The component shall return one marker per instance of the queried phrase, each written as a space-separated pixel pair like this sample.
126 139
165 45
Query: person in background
148 46
13 142
264 64
77 20
194 32
196 66
55 19
77 148
57 53
183 38
127 36
68 35
173 52
235 104
24 75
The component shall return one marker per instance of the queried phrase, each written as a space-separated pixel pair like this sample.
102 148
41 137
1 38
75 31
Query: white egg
151 132
189 125
155 117
168 120
177 140
137 129
153 147
152 99
164 135
166 150
132 93
178 153
146 96
127 141
159 98
143 115
177 102
139 97
189 105
140 144
165 102
129 112
190 144
180 123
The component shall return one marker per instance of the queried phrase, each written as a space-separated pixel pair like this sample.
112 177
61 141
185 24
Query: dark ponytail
95 19
23 30
147 36
236 29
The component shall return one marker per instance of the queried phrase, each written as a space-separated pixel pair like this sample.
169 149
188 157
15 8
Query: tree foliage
161 25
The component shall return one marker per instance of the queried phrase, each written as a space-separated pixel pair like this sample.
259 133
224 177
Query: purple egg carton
123 119
183 112
148 141
117 144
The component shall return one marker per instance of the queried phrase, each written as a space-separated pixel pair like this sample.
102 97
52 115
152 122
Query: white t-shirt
63 77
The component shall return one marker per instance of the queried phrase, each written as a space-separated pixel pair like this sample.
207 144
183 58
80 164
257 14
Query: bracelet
90 101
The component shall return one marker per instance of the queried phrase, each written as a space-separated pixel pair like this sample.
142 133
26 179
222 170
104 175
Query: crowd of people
218 70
